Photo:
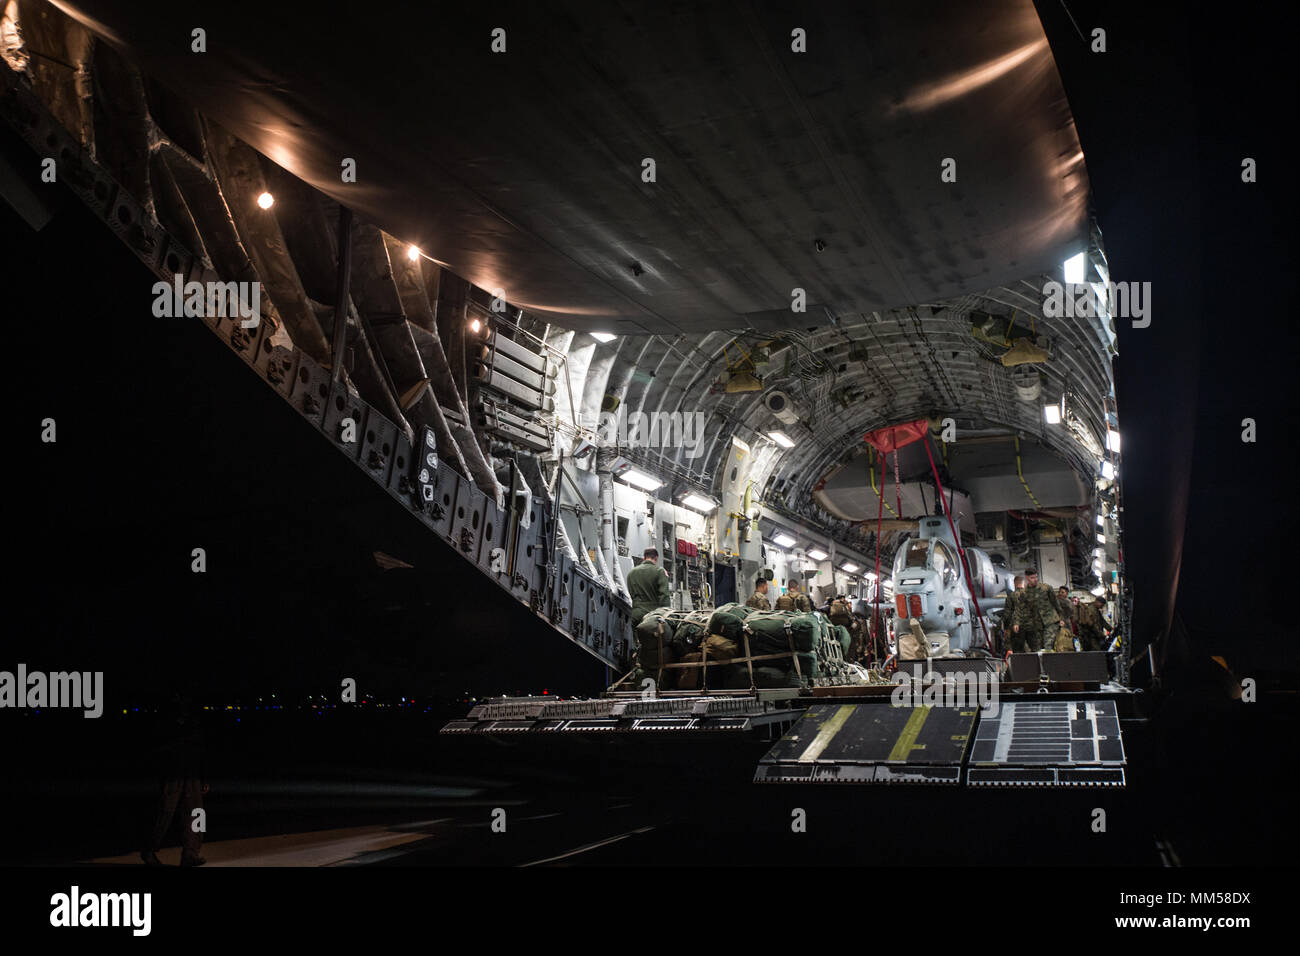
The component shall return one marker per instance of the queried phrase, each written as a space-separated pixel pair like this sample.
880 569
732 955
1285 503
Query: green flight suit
647 585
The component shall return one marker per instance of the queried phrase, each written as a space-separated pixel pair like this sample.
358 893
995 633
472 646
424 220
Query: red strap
876 622
988 640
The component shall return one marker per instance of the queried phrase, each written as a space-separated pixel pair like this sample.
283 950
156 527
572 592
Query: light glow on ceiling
817 554
781 438
639 479
784 540
1074 269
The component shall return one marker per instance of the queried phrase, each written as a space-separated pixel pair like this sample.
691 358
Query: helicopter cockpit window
945 562
915 555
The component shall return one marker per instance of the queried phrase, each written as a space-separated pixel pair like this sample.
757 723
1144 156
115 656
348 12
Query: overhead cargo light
413 253
817 554
1107 470
1052 413
603 337
639 479
1101 519
698 502
1074 269
870 575
266 200
1099 590
1112 441
848 567
784 540
475 325
781 438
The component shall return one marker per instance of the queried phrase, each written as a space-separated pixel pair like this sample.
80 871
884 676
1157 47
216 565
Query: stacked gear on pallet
666 636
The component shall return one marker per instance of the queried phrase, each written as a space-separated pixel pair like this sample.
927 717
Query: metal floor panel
871 743
1049 744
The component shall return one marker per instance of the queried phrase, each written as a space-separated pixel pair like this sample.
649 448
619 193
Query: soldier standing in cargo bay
647 585
1037 614
1092 626
759 598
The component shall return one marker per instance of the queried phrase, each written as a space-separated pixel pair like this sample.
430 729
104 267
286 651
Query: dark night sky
166 442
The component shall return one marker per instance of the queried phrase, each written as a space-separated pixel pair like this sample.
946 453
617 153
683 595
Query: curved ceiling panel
774 169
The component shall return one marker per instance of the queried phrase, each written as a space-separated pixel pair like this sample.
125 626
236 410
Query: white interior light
1101 538
639 479
849 567
1112 441
603 337
781 438
1099 590
784 540
1074 269
698 502
1101 519
474 326
870 575
266 200
1052 413
413 253
817 554
1107 470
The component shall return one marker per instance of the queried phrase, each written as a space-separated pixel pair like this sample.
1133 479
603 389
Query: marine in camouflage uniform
759 598
1092 626
1009 614
802 602
1069 610
785 603
1037 616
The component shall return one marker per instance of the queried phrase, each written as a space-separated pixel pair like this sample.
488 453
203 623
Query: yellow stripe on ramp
828 730
907 739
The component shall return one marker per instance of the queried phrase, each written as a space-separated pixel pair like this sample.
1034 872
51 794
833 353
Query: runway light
1107 470
848 567
1052 413
266 200
1112 441
603 337
698 502
413 253
781 438
817 554
639 479
1074 268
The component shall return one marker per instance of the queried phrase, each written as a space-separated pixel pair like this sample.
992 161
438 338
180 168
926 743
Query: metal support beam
341 293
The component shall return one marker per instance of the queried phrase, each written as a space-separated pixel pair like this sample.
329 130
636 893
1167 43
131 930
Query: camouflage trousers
1090 640
1027 641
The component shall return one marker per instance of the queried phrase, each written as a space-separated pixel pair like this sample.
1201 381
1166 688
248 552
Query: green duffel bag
649 639
775 677
729 620
733 677
846 639
770 631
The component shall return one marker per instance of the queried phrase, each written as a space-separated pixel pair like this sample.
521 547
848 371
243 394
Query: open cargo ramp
871 743
1050 743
